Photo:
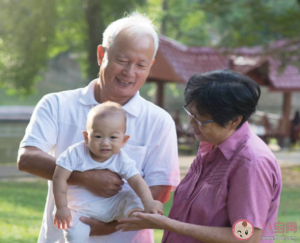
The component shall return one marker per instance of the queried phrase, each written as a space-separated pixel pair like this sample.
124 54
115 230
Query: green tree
32 31
252 22
26 30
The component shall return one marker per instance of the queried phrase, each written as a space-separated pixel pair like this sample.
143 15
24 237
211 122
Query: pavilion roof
176 62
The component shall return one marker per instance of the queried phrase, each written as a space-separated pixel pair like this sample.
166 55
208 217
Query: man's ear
100 54
125 139
85 136
153 60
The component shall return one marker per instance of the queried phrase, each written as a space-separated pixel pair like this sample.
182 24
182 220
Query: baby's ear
85 136
126 137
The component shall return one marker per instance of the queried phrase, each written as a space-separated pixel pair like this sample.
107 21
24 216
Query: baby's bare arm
60 186
62 215
141 188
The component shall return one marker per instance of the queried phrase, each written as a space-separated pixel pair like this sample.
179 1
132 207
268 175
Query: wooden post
286 115
160 94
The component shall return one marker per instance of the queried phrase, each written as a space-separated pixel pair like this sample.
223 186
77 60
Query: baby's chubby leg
128 203
134 210
78 231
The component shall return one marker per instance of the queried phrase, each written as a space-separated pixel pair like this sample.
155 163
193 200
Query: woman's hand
143 221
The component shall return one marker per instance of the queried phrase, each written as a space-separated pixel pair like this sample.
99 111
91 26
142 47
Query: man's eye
122 61
141 66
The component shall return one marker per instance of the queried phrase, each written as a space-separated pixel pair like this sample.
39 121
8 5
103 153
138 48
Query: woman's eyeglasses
193 116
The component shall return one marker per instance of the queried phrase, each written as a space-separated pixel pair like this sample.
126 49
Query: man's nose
129 70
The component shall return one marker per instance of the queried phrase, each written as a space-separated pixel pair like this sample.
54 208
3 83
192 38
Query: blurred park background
49 45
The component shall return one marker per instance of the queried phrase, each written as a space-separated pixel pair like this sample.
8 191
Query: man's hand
103 183
98 227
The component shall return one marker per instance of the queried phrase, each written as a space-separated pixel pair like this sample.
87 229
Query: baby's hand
154 206
62 218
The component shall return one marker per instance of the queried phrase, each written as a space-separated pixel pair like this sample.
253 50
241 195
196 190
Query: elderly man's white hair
136 25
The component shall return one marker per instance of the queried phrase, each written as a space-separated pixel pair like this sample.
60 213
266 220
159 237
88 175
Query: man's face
105 137
125 66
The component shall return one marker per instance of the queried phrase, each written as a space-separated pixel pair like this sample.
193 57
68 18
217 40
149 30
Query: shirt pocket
207 203
137 152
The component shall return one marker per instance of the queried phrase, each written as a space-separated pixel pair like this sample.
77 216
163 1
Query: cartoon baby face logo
242 229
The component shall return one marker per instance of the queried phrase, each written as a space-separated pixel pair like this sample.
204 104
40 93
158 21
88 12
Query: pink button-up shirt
239 179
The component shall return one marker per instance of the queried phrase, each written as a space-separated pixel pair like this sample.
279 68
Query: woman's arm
207 234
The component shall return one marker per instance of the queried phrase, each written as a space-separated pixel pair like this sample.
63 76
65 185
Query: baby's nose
105 141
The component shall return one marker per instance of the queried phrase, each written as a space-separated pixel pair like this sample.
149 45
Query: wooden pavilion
176 62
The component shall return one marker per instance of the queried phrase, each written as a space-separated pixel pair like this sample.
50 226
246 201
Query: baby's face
105 137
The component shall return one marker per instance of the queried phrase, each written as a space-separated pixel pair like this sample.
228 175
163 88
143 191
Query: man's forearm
161 193
36 162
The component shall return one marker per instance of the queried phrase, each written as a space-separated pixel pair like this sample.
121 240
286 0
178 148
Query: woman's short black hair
223 94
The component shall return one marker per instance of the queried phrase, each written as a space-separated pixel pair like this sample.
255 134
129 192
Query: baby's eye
113 137
98 136
246 232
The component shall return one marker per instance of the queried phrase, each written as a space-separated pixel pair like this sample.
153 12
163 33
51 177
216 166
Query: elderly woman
235 177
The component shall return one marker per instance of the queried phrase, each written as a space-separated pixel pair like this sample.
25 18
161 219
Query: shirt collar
238 138
133 106
87 94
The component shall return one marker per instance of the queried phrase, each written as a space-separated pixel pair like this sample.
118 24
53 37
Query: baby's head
105 130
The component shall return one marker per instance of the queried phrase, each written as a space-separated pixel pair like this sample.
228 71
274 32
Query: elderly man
125 58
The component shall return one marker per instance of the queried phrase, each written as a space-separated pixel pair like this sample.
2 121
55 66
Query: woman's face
212 132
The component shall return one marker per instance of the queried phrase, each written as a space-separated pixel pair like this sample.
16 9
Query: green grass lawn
22 205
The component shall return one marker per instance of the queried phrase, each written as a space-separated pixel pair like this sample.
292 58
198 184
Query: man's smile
123 83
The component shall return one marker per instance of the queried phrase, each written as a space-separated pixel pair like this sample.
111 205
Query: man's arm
161 193
36 162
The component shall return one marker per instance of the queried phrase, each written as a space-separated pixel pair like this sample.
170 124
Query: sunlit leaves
26 29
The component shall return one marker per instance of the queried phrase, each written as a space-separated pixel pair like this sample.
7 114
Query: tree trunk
96 27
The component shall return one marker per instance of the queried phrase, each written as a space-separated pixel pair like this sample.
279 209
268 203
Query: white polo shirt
57 123
77 158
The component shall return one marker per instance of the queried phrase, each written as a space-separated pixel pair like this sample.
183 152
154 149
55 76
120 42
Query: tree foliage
32 31
252 22
26 31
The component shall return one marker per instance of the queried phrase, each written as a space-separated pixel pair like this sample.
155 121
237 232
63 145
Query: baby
101 149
